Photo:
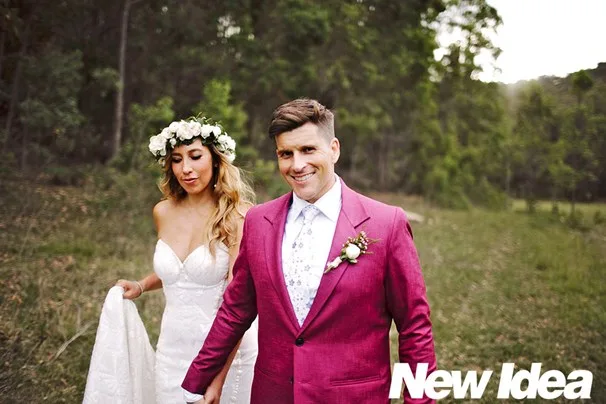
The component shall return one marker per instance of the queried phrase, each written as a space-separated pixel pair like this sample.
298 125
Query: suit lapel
351 216
273 254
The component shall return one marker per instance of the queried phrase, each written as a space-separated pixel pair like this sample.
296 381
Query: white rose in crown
166 134
352 249
185 132
230 156
226 142
157 145
195 128
173 127
206 130
216 130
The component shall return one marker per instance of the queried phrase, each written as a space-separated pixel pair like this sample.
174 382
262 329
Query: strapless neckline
182 262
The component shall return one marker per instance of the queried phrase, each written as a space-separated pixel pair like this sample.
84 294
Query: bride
199 224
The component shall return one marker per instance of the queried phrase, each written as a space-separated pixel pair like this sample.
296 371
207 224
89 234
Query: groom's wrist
191 397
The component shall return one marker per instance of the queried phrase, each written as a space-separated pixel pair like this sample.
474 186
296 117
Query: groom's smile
306 159
302 178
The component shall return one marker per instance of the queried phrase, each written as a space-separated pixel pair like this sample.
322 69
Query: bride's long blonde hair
232 193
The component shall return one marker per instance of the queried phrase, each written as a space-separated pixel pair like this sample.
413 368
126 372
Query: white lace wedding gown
194 291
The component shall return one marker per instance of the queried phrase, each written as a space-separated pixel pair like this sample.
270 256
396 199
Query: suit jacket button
299 341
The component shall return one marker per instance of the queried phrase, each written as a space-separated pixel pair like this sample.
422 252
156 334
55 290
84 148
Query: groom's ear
335 146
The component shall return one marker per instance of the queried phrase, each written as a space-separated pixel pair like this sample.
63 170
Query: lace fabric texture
194 291
122 363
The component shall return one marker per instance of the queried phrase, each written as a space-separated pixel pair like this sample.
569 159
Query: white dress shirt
323 228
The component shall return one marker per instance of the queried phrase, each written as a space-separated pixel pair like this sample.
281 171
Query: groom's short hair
297 113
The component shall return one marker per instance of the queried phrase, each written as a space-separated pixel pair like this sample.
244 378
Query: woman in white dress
199 224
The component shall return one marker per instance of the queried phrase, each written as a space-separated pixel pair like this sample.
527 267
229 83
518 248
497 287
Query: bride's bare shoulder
163 210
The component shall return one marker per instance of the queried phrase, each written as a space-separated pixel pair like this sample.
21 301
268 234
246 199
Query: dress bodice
193 289
198 280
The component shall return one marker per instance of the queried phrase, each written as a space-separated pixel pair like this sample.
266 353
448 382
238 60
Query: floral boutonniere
352 249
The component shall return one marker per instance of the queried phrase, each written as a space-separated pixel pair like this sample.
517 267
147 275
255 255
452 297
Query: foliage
49 113
406 121
143 121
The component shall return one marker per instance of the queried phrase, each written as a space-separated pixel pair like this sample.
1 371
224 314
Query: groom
323 337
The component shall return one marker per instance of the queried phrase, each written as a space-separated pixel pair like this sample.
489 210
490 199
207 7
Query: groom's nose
298 162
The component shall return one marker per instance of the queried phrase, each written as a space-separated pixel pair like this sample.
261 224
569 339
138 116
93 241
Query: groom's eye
284 154
308 149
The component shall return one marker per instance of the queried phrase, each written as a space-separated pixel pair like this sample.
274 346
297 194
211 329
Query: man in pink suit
323 336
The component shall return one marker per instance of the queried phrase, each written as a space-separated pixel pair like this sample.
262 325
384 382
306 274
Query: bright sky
548 37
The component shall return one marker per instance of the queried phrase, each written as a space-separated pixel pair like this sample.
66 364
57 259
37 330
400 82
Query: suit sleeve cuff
191 397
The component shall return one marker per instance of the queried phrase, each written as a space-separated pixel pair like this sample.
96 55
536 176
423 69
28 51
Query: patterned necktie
297 268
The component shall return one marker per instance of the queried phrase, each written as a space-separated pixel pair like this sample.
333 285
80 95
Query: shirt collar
329 204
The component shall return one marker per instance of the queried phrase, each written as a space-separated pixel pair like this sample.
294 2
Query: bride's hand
212 394
132 290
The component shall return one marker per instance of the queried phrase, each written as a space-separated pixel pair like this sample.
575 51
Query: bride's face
193 166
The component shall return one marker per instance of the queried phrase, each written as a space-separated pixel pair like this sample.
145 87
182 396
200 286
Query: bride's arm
134 289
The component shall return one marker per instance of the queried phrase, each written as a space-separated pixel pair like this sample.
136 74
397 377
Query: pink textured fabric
340 354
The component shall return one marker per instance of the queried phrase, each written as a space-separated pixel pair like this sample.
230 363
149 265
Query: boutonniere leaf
351 251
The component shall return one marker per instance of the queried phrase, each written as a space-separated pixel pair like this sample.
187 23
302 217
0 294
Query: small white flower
230 156
195 128
352 251
184 132
230 143
166 133
225 143
157 145
173 127
206 130
216 130
162 161
173 142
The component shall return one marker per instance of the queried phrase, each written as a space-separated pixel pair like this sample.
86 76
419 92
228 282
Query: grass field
503 286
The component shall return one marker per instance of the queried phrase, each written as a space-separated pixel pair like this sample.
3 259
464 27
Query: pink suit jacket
341 353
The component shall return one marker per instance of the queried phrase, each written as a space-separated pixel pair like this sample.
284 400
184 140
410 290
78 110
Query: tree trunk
119 108
12 108
2 43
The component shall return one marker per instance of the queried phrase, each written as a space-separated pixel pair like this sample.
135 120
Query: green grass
513 287
587 209
503 286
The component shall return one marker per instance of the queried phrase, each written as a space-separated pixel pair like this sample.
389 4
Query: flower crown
185 132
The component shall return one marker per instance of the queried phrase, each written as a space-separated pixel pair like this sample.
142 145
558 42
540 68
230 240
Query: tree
535 134
119 110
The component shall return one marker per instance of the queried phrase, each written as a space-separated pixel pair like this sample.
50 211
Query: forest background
84 84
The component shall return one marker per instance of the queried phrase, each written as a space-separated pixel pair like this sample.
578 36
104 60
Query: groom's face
306 159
